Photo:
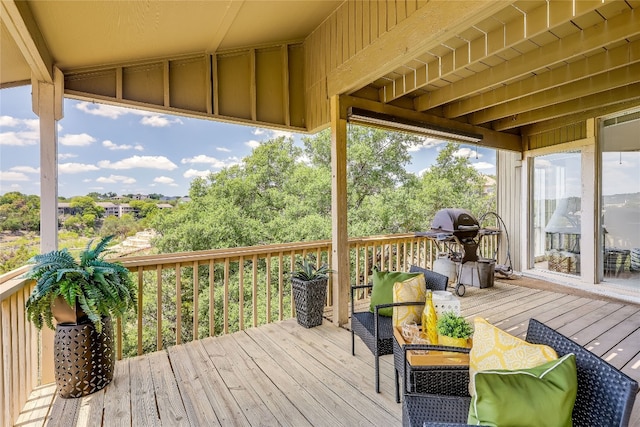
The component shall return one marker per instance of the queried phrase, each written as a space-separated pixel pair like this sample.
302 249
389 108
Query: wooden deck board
284 374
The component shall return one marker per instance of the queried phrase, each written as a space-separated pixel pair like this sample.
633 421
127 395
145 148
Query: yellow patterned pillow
414 289
493 348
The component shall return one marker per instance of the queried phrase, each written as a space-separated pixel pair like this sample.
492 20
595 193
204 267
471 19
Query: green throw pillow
540 396
382 292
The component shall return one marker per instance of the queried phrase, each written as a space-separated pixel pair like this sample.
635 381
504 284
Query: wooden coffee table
434 372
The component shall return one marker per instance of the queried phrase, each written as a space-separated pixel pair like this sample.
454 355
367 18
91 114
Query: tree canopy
282 193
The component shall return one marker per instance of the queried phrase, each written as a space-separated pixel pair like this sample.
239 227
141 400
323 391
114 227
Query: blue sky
103 148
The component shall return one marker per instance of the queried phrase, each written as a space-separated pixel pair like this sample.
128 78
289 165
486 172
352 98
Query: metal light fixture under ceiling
386 121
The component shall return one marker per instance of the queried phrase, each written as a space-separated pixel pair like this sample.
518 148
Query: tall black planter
84 360
309 298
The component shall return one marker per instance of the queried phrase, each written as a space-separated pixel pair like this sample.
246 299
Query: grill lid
454 220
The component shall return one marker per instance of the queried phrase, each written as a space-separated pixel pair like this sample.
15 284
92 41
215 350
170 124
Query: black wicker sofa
605 395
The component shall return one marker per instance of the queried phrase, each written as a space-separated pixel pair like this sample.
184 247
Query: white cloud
86 180
77 140
148 162
19 139
223 149
112 146
467 152
215 163
423 171
252 144
13 138
425 143
165 180
26 133
62 156
69 168
25 169
13 176
112 179
9 121
271 133
159 121
482 165
278 133
96 188
192 173
102 110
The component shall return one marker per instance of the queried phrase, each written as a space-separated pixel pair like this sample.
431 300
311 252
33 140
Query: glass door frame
589 249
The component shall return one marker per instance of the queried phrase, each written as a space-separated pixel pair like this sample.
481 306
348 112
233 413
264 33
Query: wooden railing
258 292
248 286
20 349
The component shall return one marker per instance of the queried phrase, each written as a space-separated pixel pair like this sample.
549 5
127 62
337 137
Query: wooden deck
283 374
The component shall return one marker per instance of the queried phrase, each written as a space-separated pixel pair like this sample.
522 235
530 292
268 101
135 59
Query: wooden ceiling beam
625 25
578 89
430 25
527 25
490 138
581 116
19 20
607 60
597 101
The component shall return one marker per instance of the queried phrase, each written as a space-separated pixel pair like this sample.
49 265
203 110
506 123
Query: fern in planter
100 288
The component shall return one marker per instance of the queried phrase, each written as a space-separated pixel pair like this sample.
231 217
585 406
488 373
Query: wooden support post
47 104
339 235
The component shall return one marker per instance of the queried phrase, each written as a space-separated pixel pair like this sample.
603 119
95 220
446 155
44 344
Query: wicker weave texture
605 395
84 359
309 298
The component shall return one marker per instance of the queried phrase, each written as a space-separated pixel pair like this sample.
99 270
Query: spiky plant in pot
98 287
309 285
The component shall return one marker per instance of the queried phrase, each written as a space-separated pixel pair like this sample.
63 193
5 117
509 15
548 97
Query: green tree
86 205
121 227
19 212
454 182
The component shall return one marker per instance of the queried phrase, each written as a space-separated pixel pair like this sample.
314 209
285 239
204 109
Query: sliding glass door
557 187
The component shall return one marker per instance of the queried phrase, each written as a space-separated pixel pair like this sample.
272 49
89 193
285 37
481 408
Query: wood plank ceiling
520 68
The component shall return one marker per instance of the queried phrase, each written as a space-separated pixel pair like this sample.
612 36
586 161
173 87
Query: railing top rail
186 257
13 281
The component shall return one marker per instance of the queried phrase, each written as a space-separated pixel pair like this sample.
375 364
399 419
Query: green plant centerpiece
454 330
81 295
96 286
309 285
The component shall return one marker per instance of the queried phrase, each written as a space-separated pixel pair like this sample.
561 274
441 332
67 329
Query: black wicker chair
605 395
377 331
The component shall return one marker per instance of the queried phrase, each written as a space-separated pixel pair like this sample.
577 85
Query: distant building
110 209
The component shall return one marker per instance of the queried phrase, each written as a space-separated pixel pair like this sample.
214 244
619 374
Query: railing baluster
196 292
140 305
159 343
268 290
212 300
178 304
254 296
292 266
225 302
7 368
241 294
280 285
